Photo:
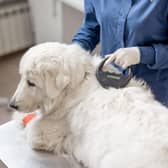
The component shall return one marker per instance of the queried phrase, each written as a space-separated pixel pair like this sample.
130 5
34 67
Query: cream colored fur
114 128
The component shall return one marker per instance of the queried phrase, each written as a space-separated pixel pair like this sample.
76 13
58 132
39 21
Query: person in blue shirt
132 33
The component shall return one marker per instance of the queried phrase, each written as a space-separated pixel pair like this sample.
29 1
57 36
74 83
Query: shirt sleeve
89 33
155 56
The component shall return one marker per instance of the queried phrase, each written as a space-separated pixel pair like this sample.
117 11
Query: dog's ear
63 76
50 83
62 80
55 79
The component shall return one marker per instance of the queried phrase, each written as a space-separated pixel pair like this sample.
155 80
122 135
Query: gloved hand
124 57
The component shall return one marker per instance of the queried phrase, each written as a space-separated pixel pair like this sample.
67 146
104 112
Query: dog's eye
30 83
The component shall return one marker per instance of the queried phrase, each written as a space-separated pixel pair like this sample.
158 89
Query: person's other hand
124 57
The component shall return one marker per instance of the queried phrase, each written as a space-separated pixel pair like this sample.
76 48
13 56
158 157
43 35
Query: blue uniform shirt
127 23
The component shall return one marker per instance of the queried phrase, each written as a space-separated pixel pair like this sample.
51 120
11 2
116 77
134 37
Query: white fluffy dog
102 128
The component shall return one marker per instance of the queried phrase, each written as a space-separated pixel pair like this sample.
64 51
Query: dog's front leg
45 134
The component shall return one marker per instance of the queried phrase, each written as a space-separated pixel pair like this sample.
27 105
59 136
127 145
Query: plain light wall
46 19
72 20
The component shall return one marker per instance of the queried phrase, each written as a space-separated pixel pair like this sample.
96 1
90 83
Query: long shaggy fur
100 128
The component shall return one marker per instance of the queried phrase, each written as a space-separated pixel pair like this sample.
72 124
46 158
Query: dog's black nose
13 105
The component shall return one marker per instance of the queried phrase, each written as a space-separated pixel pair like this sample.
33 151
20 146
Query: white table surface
15 153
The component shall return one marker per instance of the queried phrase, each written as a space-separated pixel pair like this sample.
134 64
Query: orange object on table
28 118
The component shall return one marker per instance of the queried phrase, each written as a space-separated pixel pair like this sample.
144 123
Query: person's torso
127 23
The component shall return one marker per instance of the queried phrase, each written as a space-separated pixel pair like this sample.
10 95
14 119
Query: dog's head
46 71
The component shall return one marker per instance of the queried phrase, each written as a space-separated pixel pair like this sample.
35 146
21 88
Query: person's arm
155 56
88 35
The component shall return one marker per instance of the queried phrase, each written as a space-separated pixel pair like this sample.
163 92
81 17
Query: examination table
16 153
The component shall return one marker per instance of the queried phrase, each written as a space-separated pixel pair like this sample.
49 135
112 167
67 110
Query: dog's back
121 128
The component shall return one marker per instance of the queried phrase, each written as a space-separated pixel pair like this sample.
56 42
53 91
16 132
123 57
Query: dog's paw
39 144
58 149
36 139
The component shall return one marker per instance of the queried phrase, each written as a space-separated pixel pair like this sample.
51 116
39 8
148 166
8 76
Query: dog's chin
26 110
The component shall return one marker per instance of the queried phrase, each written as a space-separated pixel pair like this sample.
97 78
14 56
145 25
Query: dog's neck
71 96
76 95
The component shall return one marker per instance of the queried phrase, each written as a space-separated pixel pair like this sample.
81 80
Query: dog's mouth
24 111
27 110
